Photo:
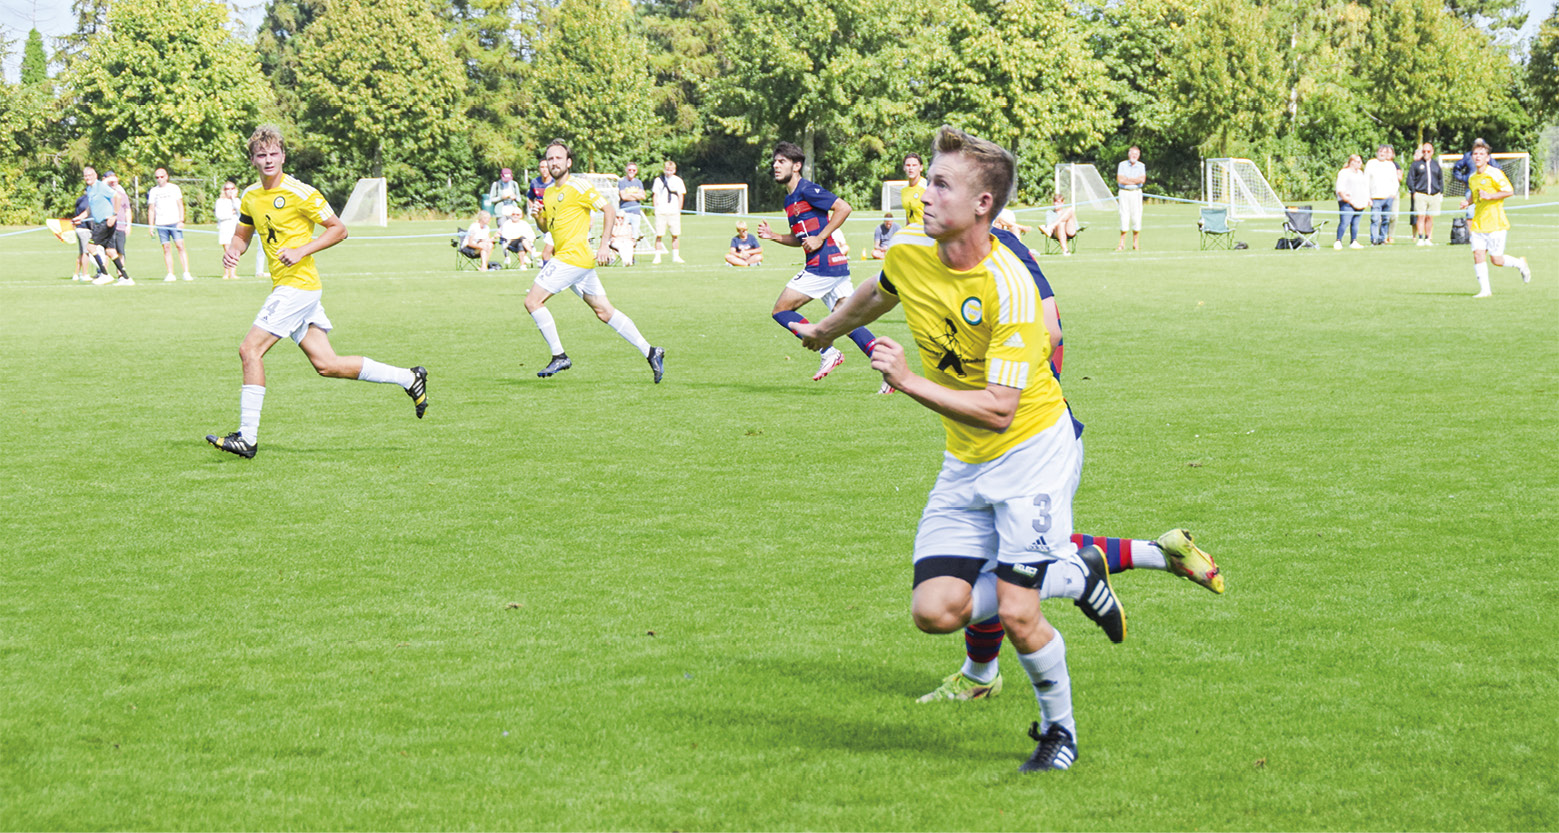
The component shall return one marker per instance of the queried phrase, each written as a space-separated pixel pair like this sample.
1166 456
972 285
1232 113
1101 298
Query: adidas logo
1015 341
1101 600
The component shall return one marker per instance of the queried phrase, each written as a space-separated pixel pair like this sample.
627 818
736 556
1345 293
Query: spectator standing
226 212
1130 176
122 221
538 188
1353 199
504 187
103 205
670 193
1384 181
630 198
165 219
745 249
880 237
1426 182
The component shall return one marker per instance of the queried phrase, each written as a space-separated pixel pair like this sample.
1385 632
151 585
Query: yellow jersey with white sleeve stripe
568 206
982 327
284 218
909 197
1488 215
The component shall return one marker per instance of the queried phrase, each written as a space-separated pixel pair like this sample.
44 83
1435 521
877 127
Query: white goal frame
1240 185
369 203
892 191
1081 186
1517 167
741 197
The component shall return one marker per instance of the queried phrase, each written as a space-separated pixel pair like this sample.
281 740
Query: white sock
1145 555
980 672
1482 271
1064 579
385 374
1052 684
250 399
1514 262
549 330
625 328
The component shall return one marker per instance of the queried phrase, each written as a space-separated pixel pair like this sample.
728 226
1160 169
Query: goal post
1517 167
729 198
1239 185
892 194
368 205
1080 186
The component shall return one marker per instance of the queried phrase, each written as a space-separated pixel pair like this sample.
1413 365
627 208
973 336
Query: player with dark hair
914 186
565 214
284 211
814 214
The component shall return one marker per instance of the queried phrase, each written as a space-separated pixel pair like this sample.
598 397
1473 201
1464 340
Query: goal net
605 185
722 199
891 190
368 204
1238 184
1517 167
1081 186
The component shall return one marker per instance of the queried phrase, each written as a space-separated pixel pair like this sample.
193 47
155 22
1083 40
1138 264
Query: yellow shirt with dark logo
568 208
1488 215
982 327
913 207
284 218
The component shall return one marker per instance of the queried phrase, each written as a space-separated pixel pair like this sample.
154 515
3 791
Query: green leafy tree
91 18
276 44
491 39
686 40
1543 68
1429 69
166 81
1226 69
35 62
590 84
382 95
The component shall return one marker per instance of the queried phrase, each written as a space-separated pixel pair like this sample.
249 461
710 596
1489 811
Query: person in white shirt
515 233
1353 199
1130 176
479 240
669 193
226 211
1385 179
165 219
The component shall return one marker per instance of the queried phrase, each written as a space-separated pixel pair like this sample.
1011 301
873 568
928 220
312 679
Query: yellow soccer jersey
284 218
910 197
568 208
982 327
1488 215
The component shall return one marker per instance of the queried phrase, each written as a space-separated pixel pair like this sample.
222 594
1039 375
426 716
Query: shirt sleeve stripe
1007 373
1015 290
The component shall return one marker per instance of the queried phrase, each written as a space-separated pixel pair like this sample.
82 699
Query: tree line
437 95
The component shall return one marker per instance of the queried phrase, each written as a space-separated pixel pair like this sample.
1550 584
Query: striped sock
863 339
982 645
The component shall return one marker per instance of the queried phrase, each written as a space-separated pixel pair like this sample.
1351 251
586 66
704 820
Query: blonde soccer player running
998 523
1487 189
565 212
284 211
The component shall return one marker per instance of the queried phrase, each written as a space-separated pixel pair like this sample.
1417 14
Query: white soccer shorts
1016 509
289 311
1492 242
668 221
830 289
1131 209
557 276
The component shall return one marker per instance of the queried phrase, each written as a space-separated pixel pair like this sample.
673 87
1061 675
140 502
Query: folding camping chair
1299 224
1053 246
466 258
1214 229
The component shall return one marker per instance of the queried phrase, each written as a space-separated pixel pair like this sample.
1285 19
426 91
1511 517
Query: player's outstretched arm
865 305
991 408
767 233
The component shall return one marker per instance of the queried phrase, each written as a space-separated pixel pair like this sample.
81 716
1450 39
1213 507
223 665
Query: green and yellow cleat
1187 559
956 686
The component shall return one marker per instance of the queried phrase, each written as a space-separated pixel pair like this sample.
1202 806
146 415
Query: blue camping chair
1215 230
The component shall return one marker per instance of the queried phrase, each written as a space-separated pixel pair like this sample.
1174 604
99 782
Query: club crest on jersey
971 311
279 202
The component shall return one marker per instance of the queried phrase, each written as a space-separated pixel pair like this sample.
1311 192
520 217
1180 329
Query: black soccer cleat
657 359
1099 601
1056 750
419 390
234 444
558 364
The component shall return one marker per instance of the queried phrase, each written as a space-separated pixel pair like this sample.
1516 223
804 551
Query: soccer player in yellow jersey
566 209
998 523
1487 189
284 211
910 195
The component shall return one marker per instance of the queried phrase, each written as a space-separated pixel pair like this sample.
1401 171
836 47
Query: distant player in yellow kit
1487 189
566 207
284 211
914 186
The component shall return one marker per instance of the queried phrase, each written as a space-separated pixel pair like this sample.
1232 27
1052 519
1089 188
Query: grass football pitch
592 602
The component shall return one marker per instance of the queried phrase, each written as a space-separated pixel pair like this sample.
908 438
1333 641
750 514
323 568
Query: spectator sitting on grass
880 237
745 249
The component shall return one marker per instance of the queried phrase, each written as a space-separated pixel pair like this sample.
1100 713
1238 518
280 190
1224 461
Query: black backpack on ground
1459 232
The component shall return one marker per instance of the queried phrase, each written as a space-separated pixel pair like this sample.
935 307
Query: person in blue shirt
814 214
745 249
538 187
104 214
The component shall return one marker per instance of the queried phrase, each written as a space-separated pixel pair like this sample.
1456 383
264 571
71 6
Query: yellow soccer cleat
956 686
1187 559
